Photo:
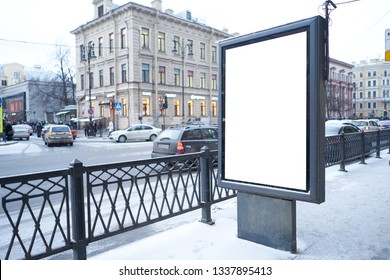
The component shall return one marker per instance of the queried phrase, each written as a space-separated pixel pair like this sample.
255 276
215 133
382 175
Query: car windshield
60 129
169 134
360 123
332 130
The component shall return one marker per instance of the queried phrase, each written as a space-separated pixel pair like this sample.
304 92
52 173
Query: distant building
132 58
371 96
23 100
339 90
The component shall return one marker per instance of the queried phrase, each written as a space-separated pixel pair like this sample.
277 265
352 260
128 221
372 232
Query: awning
62 113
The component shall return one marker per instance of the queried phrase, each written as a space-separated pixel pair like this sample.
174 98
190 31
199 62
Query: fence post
342 153
363 150
205 186
78 212
378 144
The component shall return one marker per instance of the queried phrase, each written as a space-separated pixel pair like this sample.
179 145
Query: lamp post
90 55
182 47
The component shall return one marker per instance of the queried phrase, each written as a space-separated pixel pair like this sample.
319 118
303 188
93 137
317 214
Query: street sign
90 111
387 55
118 106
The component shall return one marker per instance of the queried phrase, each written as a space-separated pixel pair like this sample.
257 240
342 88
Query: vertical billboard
271 114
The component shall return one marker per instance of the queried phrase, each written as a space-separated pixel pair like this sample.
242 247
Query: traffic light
165 105
110 104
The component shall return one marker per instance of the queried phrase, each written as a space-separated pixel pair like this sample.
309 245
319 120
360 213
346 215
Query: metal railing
52 212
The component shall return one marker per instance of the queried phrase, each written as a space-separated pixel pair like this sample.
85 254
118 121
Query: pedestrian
86 129
100 128
110 127
8 131
39 129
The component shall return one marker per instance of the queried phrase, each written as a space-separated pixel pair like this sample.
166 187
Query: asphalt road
33 156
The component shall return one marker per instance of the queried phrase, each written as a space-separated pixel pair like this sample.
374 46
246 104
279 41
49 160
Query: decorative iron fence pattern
35 215
47 213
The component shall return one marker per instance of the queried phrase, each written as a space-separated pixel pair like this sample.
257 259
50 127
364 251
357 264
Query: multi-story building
371 96
133 58
339 90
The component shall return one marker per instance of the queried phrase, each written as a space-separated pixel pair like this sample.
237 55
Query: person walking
86 130
39 129
100 128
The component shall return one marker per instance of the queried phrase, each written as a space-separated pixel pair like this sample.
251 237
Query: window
161 75
361 94
144 38
385 73
202 80
161 41
101 108
214 54
369 94
100 11
91 80
190 45
374 83
100 46
202 51
176 42
190 78
203 108
176 107
176 76
209 133
374 94
124 107
361 84
374 105
145 73
214 108
146 107
361 74
193 134
190 108
368 83
214 81
101 78
111 42
374 73
112 77
361 105
82 82
4 82
369 105
123 38
369 73
124 73
82 53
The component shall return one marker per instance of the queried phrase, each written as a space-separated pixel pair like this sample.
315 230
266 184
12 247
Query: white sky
30 29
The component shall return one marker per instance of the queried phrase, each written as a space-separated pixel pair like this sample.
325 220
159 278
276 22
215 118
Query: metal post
78 212
378 144
363 151
182 78
205 186
342 153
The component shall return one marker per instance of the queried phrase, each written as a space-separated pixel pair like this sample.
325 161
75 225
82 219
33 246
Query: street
34 156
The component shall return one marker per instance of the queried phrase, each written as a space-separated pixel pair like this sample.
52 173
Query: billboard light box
271 112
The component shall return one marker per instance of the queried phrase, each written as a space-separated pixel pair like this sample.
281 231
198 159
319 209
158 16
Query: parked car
338 128
29 128
136 132
185 139
366 125
58 134
384 124
21 131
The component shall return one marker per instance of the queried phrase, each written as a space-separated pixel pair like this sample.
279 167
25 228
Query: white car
136 132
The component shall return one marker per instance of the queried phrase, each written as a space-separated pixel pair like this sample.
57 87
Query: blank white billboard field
266 112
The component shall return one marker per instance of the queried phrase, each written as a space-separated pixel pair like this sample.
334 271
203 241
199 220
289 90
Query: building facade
139 64
371 96
339 90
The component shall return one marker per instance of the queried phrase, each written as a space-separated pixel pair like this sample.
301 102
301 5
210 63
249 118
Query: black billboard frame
314 191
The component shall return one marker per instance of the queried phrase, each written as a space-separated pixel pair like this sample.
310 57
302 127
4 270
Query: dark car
185 139
338 128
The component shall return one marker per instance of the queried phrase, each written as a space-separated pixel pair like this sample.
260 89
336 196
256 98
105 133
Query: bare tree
56 88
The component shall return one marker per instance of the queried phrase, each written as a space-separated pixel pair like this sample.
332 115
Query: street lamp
90 55
182 47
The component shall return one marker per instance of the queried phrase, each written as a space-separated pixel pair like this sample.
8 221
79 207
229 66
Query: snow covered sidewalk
352 224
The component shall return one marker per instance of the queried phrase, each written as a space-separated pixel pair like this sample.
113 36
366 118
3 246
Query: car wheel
71 144
122 139
152 137
28 138
48 144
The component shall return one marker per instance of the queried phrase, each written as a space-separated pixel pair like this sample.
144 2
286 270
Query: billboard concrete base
267 221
